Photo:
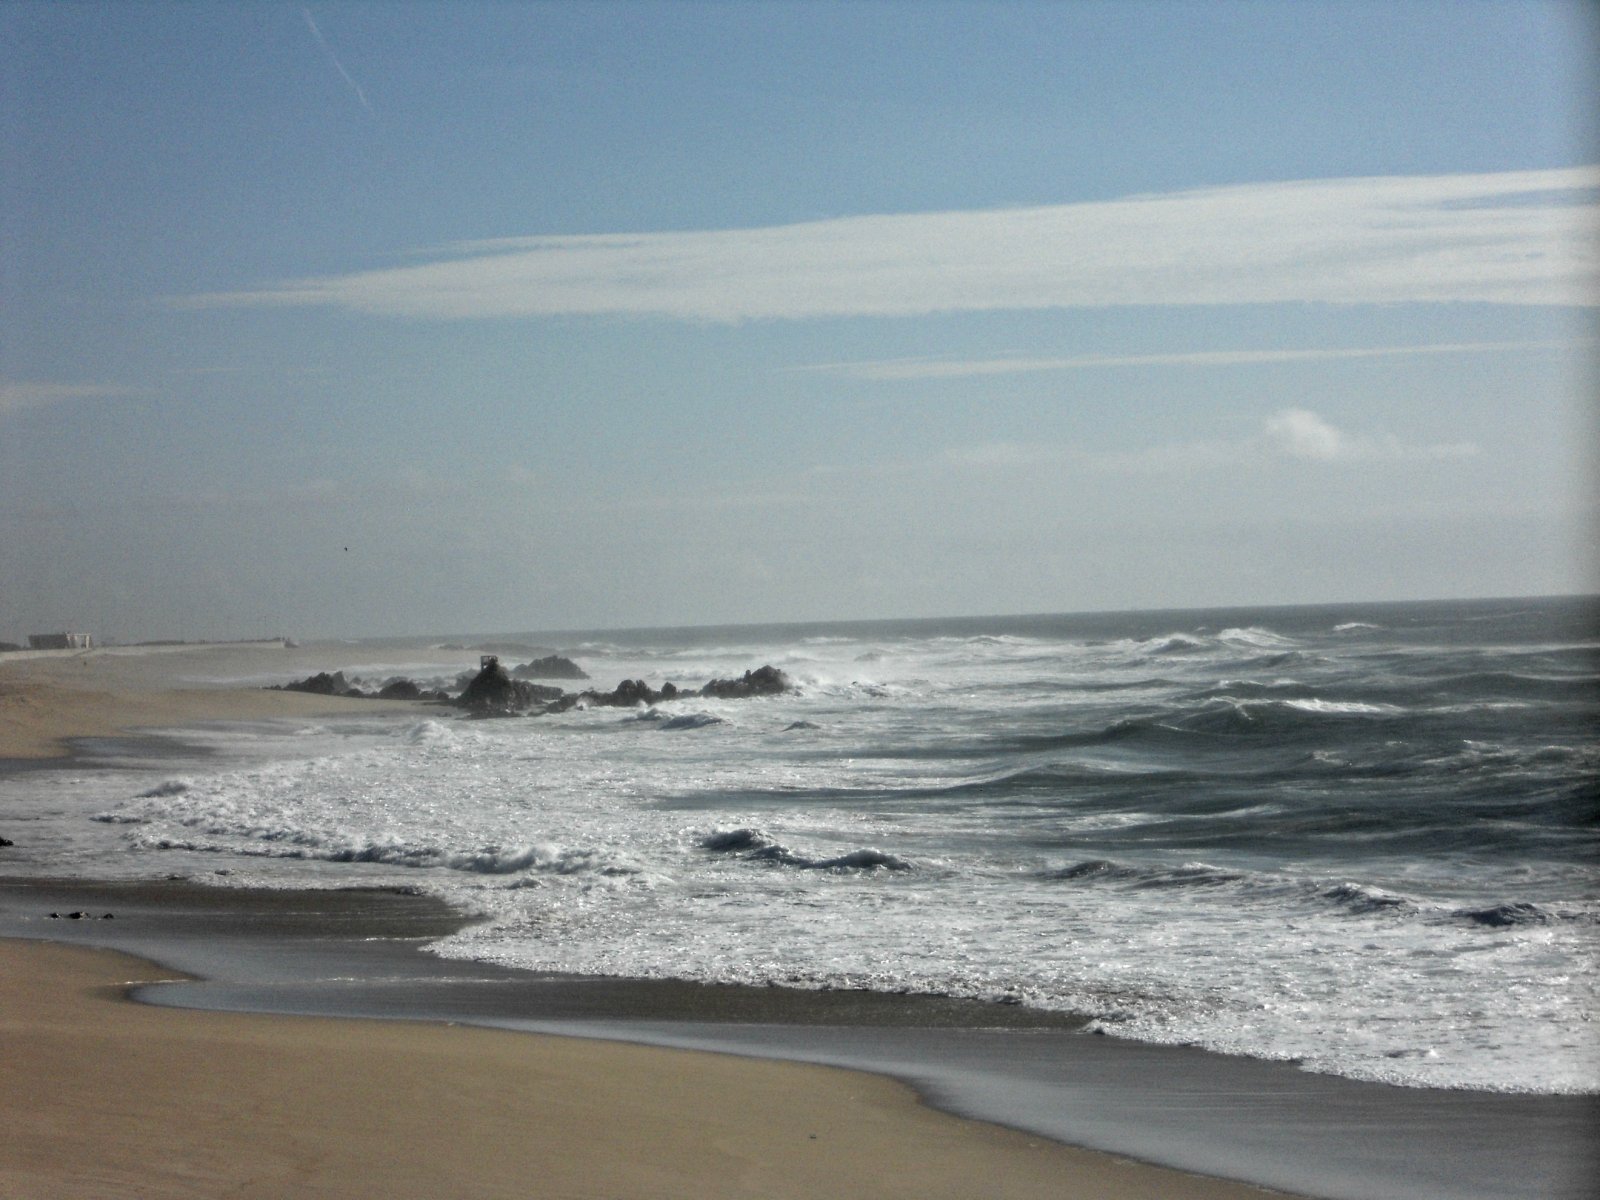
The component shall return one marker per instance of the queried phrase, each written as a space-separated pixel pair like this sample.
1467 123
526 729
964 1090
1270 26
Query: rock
323 684
551 666
335 684
764 681
408 689
492 692
627 694
6 842
399 689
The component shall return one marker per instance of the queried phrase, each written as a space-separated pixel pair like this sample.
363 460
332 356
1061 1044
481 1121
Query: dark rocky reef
496 692
551 666
764 681
493 693
627 694
324 683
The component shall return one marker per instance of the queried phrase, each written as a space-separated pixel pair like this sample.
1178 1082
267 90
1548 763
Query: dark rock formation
400 689
765 681
493 692
323 684
627 694
335 684
551 666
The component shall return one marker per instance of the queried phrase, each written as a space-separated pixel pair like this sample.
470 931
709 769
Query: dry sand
104 1097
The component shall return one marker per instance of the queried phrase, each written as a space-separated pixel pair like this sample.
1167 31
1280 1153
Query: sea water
1360 838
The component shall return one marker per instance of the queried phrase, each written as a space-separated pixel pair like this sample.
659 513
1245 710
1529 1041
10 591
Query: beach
109 1098
265 1073
106 1097
48 698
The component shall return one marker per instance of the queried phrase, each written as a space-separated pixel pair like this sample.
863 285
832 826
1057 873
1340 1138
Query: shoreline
270 1105
292 952
409 1105
358 953
50 698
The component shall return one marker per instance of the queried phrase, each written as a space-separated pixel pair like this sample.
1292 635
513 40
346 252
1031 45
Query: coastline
255 1102
50 698
344 953
112 1098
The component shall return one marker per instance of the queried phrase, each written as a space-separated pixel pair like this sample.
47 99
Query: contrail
334 59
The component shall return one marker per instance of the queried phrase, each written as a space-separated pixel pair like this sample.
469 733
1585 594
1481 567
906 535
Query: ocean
1359 838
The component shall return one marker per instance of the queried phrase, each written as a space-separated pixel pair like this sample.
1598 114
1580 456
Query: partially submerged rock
764 681
551 666
492 692
628 694
325 683
496 692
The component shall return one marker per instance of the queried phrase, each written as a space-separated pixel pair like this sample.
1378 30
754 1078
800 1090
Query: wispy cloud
21 397
1290 435
894 369
355 87
1521 237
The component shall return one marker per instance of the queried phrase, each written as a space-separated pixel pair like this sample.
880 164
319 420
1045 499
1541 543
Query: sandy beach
106 1097
49 698
110 1098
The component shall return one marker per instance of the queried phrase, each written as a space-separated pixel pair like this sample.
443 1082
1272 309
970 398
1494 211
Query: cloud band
1524 237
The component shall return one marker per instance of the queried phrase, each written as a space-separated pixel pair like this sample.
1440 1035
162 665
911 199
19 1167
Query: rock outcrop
496 692
493 693
764 681
551 666
325 683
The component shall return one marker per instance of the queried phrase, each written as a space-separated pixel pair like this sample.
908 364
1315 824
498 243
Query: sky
343 320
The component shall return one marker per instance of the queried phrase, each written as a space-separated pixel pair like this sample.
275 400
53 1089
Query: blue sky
574 315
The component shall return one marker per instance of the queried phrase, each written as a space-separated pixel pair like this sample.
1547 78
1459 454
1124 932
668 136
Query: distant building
60 641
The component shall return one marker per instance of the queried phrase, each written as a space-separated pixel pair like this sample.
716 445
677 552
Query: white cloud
897 369
1298 433
1521 237
20 397
1290 434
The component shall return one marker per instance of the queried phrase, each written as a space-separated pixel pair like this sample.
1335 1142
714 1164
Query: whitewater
1358 838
